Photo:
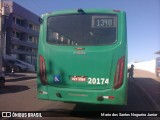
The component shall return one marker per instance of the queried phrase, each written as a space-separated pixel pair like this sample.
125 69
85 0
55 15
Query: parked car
2 80
17 66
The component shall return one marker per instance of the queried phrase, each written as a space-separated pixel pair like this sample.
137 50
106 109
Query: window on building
37 28
34 50
35 40
34 60
19 21
29 38
18 35
30 26
33 26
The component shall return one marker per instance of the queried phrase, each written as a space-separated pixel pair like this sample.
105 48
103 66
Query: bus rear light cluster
101 98
108 97
111 97
42 67
118 79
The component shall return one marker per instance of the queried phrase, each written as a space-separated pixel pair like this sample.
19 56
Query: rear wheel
2 82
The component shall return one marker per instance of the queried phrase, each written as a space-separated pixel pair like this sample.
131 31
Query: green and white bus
82 57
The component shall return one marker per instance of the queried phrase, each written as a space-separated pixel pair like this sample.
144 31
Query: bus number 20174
98 81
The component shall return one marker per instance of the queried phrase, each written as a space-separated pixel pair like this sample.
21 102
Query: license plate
79 78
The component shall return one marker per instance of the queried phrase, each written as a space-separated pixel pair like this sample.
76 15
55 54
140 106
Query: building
20 29
158 52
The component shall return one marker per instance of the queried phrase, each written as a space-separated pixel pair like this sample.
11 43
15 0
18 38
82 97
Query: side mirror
40 20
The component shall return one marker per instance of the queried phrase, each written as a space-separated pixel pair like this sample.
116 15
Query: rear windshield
78 29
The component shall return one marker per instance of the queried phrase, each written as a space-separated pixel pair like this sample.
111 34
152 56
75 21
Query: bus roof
85 11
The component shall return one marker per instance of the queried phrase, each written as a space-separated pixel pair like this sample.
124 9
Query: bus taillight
42 67
118 79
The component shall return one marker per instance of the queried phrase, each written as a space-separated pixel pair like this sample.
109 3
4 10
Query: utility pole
5 10
1 36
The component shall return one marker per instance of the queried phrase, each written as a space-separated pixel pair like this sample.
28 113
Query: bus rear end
82 57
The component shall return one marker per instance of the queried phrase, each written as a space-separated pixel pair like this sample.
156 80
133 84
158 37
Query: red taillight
42 67
111 97
118 79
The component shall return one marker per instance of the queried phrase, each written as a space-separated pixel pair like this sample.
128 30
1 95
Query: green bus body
89 70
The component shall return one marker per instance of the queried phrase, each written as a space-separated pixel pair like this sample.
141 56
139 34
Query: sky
143 20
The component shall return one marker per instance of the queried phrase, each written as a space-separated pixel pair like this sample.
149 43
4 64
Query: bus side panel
42 90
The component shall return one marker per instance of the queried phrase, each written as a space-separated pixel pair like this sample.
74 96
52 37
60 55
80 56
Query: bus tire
2 82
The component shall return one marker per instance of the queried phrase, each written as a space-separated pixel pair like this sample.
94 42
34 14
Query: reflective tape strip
43 92
106 97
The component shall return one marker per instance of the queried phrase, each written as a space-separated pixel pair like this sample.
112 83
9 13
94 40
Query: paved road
20 95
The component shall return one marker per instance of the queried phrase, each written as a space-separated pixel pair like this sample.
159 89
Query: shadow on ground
13 89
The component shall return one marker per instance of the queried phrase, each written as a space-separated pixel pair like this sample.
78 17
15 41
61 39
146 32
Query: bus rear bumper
107 96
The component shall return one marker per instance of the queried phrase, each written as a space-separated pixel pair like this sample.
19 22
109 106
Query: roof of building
158 52
25 13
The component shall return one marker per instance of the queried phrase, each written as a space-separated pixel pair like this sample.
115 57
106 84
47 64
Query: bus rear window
78 29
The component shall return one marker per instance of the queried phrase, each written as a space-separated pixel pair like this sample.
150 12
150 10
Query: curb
19 76
147 95
25 77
